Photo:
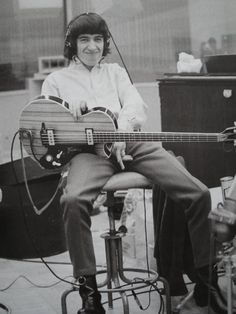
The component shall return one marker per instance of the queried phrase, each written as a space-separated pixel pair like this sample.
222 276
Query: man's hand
119 151
78 110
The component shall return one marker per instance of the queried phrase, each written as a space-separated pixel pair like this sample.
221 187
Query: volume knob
49 158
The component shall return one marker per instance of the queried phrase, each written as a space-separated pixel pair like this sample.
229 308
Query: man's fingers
119 153
75 111
119 159
78 110
127 158
83 107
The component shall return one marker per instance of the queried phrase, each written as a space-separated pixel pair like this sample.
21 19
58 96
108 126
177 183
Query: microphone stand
229 262
231 276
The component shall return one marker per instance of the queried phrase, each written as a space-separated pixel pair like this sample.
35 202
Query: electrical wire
153 288
31 238
37 250
122 60
145 231
211 257
32 283
50 262
36 210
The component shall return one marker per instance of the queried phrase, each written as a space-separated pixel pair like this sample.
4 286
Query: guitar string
107 138
134 136
138 134
130 137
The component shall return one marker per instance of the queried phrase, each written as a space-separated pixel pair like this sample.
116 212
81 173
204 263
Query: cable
145 231
32 283
40 262
31 238
38 251
211 255
50 262
36 210
134 294
122 60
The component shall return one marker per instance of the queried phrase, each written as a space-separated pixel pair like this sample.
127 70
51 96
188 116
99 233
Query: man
89 82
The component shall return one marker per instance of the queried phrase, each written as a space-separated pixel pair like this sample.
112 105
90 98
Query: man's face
90 48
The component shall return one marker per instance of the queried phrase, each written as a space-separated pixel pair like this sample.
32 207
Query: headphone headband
72 32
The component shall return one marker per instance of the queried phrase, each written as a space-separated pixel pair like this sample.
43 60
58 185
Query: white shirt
106 85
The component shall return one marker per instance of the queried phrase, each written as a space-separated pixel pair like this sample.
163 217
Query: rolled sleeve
50 87
134 110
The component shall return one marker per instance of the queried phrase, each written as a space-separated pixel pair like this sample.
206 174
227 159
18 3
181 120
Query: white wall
150 94
211 18
11 105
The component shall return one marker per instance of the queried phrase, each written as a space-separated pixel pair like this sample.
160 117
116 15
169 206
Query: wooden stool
115 271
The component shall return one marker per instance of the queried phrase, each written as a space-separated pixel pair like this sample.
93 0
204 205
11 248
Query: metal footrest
131 284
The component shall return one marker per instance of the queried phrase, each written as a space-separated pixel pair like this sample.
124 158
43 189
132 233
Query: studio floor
28 287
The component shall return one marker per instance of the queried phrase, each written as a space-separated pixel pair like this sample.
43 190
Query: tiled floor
35 290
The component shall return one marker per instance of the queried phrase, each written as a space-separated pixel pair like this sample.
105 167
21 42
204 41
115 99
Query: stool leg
115 266
109 272
167 293
125 279
63 300
114 251
120 262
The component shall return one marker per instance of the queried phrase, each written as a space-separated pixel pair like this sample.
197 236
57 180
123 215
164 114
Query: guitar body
51 114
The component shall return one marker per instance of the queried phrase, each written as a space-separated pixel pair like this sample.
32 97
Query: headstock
229 135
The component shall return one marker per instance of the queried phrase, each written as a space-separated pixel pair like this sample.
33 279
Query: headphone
70 43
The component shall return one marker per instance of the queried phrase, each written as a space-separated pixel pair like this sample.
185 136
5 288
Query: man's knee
203 196
69 199
205 193
74 204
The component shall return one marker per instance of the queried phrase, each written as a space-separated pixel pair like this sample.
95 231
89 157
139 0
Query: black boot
91 298
207 291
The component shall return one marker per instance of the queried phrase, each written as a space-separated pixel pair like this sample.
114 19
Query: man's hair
86 23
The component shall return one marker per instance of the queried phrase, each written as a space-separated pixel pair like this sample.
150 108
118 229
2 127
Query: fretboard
106 137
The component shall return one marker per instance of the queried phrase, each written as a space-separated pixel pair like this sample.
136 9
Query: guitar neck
105 137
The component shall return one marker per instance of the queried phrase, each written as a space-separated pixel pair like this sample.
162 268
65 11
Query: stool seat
127 180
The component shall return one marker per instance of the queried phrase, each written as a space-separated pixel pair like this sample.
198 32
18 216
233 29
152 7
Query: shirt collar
80 66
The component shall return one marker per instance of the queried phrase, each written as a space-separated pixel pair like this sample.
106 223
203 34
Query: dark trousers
88 173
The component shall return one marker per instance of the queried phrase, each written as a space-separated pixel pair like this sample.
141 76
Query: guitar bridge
47 136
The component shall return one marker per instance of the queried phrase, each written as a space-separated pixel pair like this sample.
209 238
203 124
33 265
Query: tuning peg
59 155
56 164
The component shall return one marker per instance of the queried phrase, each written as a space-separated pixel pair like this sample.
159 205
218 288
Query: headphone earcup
67 43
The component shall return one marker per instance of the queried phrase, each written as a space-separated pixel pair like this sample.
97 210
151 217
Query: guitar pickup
89 136
47 136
